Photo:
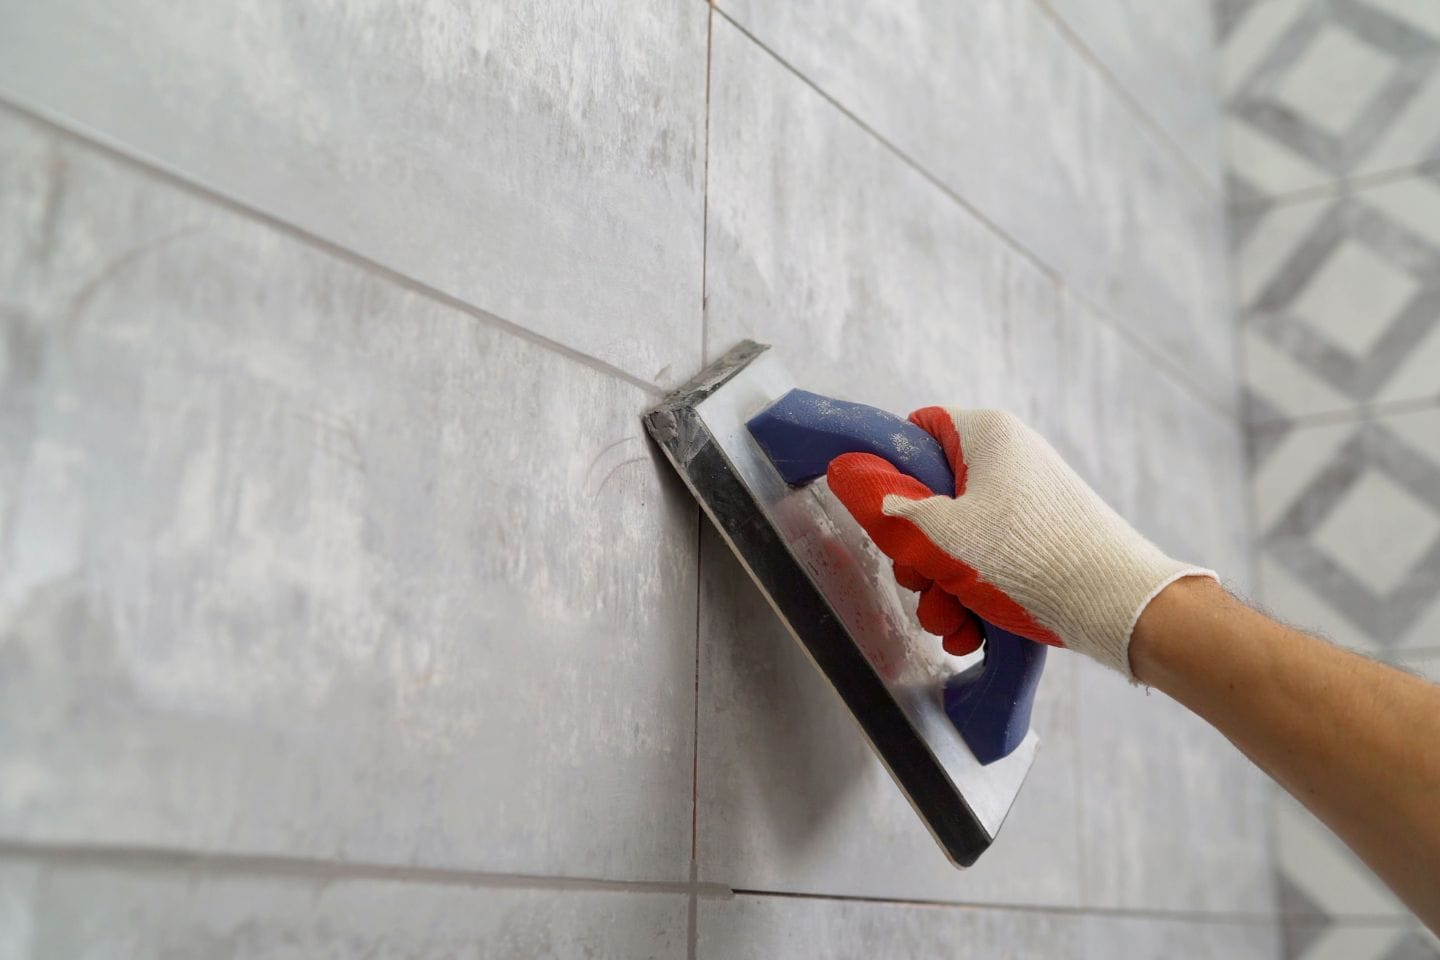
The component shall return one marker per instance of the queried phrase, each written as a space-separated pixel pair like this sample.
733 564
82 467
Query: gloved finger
862 481
938 422
910 578
967 639
940 613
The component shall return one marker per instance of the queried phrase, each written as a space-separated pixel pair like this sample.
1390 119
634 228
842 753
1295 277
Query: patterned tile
1326 89
1349 530
1341 299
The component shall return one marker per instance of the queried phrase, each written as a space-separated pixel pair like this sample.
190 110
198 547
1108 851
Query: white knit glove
1024 544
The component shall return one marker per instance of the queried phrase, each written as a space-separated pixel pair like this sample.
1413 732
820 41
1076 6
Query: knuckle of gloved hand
1004 425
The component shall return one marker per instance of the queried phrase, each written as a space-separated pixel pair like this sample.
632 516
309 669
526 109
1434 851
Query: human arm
1026 545
1355 741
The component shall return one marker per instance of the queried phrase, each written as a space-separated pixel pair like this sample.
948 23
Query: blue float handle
801 433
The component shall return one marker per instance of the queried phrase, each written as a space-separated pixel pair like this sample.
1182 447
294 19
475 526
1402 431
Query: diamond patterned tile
1341 299
1378 532
1351 513
1354 297
1336 77
1318 90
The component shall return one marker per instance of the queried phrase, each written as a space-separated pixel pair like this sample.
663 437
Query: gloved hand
1025 544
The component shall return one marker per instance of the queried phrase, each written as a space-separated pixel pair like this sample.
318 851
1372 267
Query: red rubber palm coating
862 481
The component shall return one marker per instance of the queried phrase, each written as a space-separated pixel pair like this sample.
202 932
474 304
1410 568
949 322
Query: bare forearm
1357 742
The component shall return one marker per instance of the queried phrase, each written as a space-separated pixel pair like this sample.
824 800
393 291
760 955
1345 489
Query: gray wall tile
297 561
17 930
871 281
1341 299
1348 532
92 912
765 927
1163 55
792 798
542 163
1202 939
1318 91
1172 816
995 103
1170 465
875 285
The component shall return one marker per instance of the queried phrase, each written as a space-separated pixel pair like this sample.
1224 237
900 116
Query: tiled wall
1333 130
343 604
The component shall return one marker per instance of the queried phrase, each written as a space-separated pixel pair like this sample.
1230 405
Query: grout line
1174 371
700 521
1010 241
1342 185
705 195
1356 414
915 165
692 916
158 170
1118 913
1213 188
267 865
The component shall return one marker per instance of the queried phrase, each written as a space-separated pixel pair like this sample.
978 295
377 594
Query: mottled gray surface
992 100
1349 531
330 546
296 561
543 162
1172 816
80 912
752 928
1341 299
872 282
1320 90
933 309
1161 54
791 798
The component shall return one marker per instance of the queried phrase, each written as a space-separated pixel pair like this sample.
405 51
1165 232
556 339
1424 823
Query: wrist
1162 642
